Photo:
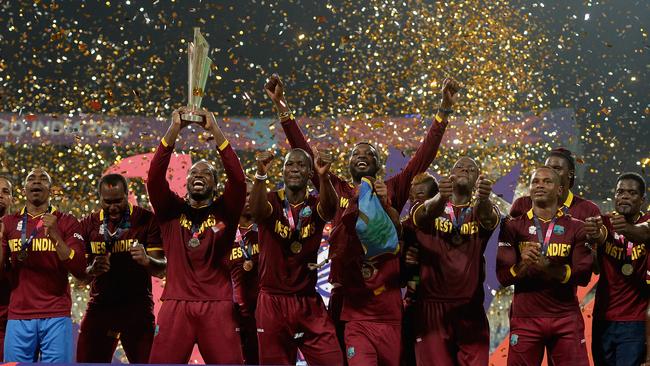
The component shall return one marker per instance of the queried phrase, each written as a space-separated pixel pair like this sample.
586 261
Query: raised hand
264 160
322 161
483 188
274 88
176 117
449 93
446 187
51 227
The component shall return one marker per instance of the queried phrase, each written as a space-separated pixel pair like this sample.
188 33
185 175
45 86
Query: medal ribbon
289 215
242 244
122 227
628 245
461 219
549 231
26 243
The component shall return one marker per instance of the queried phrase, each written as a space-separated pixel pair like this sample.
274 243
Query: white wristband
261 177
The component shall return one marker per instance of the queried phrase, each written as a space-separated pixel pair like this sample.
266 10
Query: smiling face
628 197
37 186
466 172
297 169
200 181
364 162
114 200
545 186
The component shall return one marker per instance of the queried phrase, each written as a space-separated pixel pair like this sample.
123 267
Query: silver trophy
198 64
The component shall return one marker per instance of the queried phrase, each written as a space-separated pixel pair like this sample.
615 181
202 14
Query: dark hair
634 176
215 173
567 155
113 180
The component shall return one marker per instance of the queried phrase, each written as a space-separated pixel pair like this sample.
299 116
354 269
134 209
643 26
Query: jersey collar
22 212
559 213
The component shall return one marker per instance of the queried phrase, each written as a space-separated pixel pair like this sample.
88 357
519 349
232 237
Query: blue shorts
49 337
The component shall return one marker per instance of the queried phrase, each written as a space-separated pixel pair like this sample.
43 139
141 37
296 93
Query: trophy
198 64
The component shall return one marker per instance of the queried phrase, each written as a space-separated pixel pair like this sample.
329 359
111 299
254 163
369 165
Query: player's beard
201 196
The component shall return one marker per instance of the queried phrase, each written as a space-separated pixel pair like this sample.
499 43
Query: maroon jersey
245 280
200 273
621 297
576 206
379 298
452 272
283 271
39 283
534 295
127 282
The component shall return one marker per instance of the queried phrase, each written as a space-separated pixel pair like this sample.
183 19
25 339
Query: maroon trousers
209 324
286 323
563 338
450 334
102 327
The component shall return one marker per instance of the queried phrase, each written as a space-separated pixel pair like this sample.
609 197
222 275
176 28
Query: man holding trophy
197 233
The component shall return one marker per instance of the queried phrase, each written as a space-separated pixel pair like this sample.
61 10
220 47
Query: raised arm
486 211
234 194
426 152
435 206
259 202
328 199
163 200
274 88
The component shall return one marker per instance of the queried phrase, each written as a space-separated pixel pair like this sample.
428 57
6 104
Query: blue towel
374 227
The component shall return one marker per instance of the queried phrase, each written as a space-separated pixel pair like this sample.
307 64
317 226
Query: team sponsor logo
532 230
514 339
19 227
504 244
558 230
102 229
78 236
298 335
260 330
351 352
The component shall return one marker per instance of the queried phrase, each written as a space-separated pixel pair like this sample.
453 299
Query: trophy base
193 118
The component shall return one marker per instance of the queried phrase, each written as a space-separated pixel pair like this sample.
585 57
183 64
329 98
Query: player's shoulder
65 216
142 213
89 219
586 204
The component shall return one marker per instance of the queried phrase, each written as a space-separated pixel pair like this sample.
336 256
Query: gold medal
194 242
627 269
22 255
248 265
296 247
